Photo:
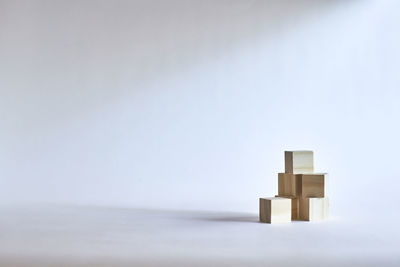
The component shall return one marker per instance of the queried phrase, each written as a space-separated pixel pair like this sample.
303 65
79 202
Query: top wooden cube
299 161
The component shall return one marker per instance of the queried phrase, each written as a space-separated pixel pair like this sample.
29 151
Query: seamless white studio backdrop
190 104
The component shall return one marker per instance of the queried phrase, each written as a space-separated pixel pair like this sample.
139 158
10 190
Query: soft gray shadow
206 216
232 218
196 215
47 213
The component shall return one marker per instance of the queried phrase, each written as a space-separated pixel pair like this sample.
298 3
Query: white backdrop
190 104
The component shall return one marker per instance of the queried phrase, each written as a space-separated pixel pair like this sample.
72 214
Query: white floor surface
96 236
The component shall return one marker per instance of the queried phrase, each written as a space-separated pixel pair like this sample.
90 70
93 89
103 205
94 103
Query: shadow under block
288 184
312 185
313 209
299 161
295 206
275 210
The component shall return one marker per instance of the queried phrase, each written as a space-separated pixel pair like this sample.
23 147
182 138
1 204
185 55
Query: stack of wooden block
302 194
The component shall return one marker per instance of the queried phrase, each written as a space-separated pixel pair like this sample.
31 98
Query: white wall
190 104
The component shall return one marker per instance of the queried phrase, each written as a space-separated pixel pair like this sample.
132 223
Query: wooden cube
275 210
312 185
287 184
299 161
295 206
313 209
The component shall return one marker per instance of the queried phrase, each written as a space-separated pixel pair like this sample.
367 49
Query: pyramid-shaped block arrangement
306 192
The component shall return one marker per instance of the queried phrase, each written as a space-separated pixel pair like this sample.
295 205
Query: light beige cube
275 210
312 185
299 161
287 184
295 206
313 209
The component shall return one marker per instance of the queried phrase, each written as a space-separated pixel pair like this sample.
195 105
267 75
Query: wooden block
275 210
312 185
295 206
287 184
299 161
313 209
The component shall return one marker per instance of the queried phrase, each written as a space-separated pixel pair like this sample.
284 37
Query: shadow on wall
85 54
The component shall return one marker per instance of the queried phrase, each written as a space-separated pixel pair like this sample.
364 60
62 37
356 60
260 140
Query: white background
189 105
